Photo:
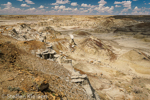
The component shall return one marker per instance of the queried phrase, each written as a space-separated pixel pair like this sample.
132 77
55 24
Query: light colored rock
45 55
81 76
46 51
52 52
77 80
56 56
76 73
119 97
88 90
30 39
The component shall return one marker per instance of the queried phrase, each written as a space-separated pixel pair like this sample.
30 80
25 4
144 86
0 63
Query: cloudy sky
74 7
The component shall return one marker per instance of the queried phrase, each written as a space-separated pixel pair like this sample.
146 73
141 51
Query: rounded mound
95 47
81 33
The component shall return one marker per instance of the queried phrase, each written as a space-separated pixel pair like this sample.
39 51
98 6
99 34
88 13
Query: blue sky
75 7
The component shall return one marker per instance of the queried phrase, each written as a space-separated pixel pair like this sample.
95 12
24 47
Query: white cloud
85 5
8 5
24 5
102 2
101 5
60 2
136 9
135 0
75 9
31 9
124 3
62 7
29 2
67 9
81 8
85 11
110 10
54 4
117 6
41 6
148 3
102 9
56 7
74 4
124 10
90 10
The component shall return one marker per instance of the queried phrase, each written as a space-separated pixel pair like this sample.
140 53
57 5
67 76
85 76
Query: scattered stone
37 79
88 89
10 79
45 55
5 91
84 82
81 76
77 80
44 86
14 32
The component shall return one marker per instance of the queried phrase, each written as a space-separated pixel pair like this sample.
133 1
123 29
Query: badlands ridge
75 57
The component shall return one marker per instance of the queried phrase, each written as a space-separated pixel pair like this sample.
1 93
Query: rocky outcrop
141 30
83 81
50 30
24 32
48 54
110 24
76 77
96 48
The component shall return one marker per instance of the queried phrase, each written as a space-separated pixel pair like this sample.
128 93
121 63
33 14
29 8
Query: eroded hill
80 57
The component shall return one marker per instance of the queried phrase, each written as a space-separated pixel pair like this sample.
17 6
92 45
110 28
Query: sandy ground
122 79
120 71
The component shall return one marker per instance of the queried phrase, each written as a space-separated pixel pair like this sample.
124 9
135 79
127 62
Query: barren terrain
75 57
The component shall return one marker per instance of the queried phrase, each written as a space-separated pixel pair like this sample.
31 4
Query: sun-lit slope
59 44
96 48
14 57
134 60
139 61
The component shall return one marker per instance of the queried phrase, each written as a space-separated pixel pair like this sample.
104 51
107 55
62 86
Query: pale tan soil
20 69
126 77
